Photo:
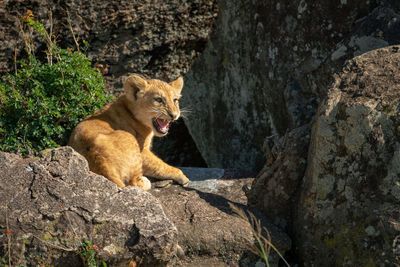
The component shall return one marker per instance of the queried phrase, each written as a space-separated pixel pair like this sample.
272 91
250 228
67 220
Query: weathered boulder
268 64
52 203
378 29
348 213
209 232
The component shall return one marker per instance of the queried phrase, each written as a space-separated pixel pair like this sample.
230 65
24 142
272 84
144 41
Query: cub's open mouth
161 125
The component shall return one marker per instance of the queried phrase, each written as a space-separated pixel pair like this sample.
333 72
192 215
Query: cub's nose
173 116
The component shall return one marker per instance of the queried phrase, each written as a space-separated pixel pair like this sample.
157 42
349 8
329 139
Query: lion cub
116 140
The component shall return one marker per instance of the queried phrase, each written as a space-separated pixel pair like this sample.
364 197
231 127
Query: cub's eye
176 100
159 100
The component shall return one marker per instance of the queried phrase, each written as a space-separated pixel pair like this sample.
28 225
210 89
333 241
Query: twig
70 224
53 245
50 42
51 23
28 47
15 61
72 31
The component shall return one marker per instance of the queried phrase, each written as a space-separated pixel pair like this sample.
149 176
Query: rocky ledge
52 203
209 232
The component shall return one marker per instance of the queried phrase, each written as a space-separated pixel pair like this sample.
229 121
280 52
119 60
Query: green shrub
44 101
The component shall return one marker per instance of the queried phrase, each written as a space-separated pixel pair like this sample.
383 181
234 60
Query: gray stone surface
268 65
209 233
348 213
52 203
201 174
205 179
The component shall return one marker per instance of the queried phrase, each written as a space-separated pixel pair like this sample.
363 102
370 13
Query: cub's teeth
161 125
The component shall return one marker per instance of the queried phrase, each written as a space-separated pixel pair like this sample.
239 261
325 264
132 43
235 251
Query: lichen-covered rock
52 203
348 213
268 64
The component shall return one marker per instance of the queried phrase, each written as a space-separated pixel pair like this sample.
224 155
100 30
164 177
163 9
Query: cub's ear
135 84
177 84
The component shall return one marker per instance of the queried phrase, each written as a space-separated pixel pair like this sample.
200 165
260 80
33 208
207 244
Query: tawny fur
116 140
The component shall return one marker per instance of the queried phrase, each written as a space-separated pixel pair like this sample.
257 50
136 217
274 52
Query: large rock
209 232
268 64
276 189
348 213
51 204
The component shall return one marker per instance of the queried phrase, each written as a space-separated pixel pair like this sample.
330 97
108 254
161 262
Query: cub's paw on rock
182 179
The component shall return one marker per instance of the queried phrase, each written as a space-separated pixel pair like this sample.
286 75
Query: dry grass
263 246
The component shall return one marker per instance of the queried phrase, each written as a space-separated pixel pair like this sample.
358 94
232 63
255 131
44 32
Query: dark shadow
133 237
222 203
178 140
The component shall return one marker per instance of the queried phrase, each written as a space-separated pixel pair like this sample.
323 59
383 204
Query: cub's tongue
163 124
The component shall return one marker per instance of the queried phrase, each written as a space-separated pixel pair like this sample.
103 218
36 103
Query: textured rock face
267 65
157 38
348 211
208 231
276 188
52 203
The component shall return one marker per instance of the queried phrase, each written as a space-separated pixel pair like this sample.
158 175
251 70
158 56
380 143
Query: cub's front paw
182 179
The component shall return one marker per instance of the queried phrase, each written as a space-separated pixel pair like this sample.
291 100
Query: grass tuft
263 246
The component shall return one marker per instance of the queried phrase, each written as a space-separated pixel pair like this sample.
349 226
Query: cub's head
153 102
